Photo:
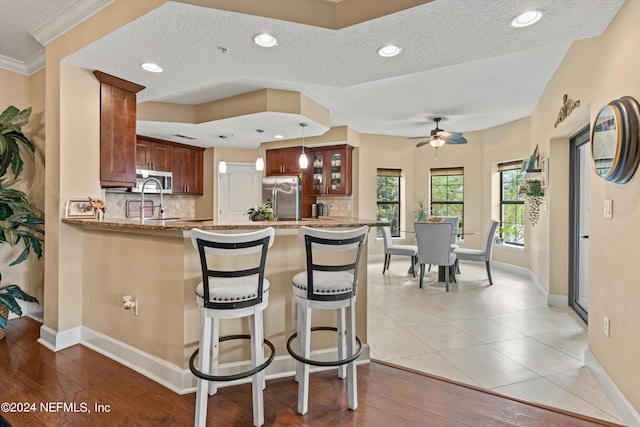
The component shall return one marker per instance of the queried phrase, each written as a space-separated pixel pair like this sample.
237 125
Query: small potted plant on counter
262 212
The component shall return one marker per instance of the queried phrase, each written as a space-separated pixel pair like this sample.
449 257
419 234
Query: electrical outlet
606 326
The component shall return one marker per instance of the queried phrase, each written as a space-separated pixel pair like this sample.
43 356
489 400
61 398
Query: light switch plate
608 209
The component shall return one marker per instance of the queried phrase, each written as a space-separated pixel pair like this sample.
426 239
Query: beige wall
22 92
596 71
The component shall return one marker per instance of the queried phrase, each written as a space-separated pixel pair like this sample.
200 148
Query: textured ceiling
460 60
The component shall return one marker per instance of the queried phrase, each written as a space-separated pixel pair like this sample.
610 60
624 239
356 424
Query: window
447 193
511 202
388 199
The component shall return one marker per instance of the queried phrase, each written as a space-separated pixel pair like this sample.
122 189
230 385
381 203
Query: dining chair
434 247
391 249
481 254
454 220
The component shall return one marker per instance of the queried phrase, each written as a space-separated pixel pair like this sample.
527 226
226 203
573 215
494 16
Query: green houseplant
533 193
421 212
262 212
21 223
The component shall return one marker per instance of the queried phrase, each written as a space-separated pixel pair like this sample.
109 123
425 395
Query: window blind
510 166
390 172
447 171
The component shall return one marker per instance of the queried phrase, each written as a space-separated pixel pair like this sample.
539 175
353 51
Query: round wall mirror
614 140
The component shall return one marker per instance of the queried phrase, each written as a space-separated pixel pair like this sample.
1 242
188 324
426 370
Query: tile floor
502 337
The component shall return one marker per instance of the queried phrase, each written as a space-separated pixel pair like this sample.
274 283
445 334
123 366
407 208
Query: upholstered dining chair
481 254
454 220
434 247
391 249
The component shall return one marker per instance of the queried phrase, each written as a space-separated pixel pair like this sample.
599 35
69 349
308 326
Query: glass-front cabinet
331 170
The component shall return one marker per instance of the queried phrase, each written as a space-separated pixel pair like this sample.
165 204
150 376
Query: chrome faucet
160 206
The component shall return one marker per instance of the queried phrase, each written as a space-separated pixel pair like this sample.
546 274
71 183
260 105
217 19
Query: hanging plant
533 194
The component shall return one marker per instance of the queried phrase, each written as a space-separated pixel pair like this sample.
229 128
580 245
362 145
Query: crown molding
74 14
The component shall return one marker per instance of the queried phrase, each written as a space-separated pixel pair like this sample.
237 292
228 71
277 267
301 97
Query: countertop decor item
262 212
99 208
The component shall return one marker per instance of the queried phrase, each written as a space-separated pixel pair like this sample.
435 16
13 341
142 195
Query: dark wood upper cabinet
330 170
117 130
283 161
153 154
187 166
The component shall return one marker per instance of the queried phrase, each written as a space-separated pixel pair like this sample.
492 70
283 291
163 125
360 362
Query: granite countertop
204 224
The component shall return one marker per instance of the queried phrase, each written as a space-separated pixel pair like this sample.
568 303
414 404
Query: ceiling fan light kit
439 137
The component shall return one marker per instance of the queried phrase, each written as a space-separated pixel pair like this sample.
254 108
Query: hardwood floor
36 378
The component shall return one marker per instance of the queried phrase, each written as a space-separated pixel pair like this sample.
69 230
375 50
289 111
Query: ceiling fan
439 137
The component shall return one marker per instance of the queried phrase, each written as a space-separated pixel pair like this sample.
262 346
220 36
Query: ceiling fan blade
417 137
456 140
425 142
445 134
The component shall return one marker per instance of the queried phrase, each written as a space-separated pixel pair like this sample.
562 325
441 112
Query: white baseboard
177 379
628 413
552 299
558 300
55 341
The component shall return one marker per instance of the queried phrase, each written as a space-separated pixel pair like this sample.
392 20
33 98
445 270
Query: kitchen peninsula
155 263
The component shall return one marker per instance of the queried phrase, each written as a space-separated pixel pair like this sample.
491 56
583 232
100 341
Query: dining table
441 268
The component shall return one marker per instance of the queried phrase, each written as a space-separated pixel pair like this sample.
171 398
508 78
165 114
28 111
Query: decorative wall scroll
568 105
615 150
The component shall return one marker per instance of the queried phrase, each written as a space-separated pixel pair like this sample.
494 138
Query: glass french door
580 168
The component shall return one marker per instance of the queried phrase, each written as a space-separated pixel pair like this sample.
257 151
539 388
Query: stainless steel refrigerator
284 194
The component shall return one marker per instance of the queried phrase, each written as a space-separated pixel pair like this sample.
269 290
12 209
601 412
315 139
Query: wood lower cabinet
153 154
117 131
330 170
187 167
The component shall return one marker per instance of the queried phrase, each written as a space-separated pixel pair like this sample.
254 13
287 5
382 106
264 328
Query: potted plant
533 193
422 212
499 239
8 303
262 212
20 222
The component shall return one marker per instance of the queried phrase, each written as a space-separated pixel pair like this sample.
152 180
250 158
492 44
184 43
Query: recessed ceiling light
278 136
151 67
527 18
265 40
389 50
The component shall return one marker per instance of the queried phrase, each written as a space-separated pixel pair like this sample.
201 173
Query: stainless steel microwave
156 181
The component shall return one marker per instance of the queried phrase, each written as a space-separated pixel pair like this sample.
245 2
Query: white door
238 190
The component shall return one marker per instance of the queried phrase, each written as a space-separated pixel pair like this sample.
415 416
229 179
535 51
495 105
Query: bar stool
328 286
231 294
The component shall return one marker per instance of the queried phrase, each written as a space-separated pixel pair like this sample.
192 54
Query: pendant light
260 160
303 161
222 165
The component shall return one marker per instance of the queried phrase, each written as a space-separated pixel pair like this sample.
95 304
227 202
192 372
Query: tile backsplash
174 206
338 206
